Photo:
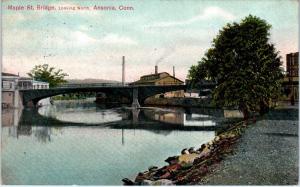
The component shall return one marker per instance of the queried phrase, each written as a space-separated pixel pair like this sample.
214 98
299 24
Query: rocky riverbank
266 154
191 165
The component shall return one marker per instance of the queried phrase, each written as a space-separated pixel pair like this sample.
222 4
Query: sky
91 43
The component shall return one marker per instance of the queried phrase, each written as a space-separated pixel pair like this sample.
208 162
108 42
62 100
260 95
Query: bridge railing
75 85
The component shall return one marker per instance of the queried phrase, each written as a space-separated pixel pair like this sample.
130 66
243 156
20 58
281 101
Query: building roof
157 78
295 53
9 74
35 81
25 78
154 74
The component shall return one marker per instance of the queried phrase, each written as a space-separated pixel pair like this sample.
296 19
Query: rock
202 147
184 151
217 138
187 158
163 182
139 178
147 182
192 150
186 165
160 182
180 180
127 181
172 160
166 175
173 168
160 172
204 152
153 168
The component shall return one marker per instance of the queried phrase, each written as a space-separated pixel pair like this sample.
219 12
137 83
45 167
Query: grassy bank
73 96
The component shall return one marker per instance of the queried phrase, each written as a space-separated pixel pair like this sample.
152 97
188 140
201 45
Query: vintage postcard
160 92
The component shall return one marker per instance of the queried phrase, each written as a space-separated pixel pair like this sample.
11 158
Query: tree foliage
197 73
244 64
48 74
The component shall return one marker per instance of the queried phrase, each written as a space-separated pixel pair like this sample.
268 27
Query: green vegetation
73 96
245 66
48 74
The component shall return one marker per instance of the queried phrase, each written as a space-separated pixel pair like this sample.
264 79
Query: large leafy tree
48 74
197 73
245 66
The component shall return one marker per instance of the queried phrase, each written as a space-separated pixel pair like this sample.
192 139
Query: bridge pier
31 104
135 98
135 116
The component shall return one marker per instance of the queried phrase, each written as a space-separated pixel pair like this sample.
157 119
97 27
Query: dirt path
267 153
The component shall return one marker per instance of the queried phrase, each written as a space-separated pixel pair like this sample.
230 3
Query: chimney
123 70
156 69
173 71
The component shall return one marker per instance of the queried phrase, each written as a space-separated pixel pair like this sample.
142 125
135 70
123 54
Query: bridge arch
31 97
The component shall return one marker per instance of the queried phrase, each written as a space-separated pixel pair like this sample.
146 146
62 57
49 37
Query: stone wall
180 101
7 99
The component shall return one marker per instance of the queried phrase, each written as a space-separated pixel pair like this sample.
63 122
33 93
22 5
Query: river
82 143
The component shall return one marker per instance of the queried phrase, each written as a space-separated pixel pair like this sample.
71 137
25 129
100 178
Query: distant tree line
48 74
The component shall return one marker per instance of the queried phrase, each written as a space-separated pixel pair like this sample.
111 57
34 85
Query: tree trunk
263 108
245 112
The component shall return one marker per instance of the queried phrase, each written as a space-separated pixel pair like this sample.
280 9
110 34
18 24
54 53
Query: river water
88 144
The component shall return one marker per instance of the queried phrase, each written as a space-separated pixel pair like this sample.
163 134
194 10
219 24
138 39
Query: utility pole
123 70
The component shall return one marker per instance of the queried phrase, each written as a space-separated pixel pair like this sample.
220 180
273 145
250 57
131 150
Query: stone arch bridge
137 94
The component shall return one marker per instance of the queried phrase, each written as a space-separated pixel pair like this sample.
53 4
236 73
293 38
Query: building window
6 85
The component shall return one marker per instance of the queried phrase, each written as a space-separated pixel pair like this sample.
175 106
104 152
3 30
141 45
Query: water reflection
157 120
11 119
88 144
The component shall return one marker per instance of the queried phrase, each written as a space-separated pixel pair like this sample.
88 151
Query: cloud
82 38
79 38
16 17
208 13
117 39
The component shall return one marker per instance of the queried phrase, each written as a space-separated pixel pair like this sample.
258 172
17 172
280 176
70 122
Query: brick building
292 64
162 78
291 80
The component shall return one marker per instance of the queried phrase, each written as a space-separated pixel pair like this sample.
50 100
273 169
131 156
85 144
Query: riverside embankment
191 165
180 101
266 154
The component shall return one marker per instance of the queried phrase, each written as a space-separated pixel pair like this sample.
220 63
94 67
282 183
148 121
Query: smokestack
173 71
156 69
123 70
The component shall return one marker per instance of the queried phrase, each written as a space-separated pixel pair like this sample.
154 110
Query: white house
10 95
11 84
